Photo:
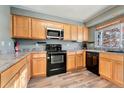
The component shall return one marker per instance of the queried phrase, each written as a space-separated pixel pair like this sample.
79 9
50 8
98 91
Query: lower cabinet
23 77
39 65
71 61
14 83
118 72
75 60
111 67
79 60
17 76
28 67
105 68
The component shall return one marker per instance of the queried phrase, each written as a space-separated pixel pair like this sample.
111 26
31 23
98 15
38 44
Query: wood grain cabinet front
38 29
74 32
111 67
53 24
79 60
21 27
118 73
23 77
106 68
28 67
80 34
67 32
39 66
71 61
85 33
14 82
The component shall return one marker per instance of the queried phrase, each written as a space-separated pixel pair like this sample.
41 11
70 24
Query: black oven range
56 59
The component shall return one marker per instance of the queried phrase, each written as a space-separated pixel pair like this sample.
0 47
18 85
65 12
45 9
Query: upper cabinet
85 33
32 28
53 24
67 32
38 29
80 33
74 32
21 27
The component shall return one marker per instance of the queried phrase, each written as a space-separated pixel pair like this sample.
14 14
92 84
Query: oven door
56 63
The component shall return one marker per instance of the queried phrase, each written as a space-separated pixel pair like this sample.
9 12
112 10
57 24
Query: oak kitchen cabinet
23 77
12 76
14 82
21 26
74 32
118 72
80 34
39 64
112 67
28 58
71 65
75 60
67 32
79 60
85 33
32 28
38 29
53 24
106 68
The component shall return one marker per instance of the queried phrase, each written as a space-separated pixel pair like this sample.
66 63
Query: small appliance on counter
16 46
86 43
56 59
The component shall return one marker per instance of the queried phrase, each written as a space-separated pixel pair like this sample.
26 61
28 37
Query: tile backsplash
34 45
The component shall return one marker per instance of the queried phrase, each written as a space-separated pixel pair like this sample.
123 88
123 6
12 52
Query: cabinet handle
48 57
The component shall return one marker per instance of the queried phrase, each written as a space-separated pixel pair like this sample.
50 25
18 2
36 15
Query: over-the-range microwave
53 33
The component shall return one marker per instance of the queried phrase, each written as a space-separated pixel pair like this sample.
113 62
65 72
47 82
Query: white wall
5 40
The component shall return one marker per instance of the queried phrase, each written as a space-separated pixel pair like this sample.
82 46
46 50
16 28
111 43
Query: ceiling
80 13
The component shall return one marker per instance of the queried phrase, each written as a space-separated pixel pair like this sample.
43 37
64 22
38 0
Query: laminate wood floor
78 79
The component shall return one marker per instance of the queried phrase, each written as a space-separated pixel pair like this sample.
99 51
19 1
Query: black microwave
53 33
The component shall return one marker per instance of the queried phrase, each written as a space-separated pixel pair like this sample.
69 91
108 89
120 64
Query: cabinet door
28 67
118 72
85 33
80 33
84 58
21 27
105 68
23 77
14 82
67 32
71 62
39 67
79 61
53 24
74 32
38 29
43 67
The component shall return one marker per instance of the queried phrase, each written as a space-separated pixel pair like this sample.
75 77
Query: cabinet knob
48 57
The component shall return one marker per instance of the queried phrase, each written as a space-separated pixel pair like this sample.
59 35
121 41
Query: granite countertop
102 51
7 60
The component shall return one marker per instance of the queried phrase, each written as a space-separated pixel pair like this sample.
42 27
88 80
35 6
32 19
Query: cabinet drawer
7 75
112 56
71 53
79 52
39 55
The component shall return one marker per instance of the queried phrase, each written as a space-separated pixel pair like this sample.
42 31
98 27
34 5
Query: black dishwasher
92 62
